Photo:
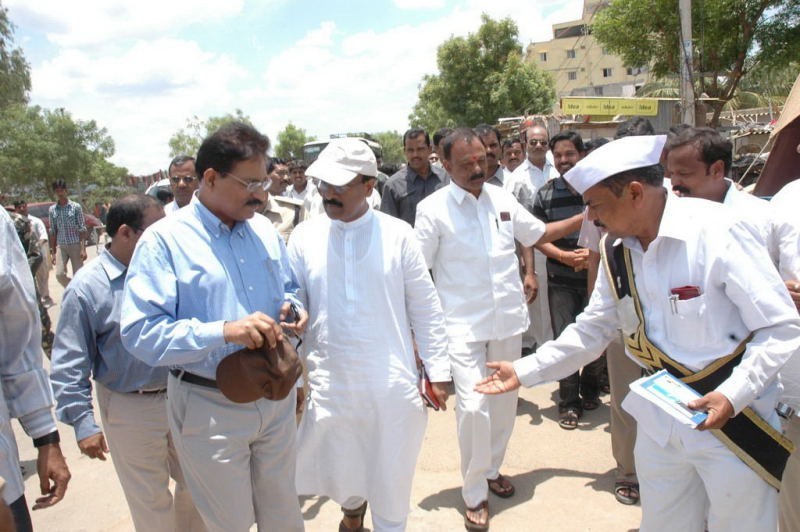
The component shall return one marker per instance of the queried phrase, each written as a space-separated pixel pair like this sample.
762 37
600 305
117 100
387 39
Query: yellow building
580 65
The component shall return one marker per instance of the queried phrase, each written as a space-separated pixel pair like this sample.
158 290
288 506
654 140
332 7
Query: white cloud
91 22
142 96
144 88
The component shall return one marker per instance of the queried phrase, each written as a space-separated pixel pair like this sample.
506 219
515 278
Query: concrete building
580 65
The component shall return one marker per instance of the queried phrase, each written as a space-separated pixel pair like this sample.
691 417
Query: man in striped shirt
68 228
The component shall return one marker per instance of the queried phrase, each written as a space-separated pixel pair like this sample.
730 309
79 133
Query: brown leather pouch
250 374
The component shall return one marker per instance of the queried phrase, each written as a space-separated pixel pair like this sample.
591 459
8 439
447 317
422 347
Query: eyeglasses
534 142
188 179
252 185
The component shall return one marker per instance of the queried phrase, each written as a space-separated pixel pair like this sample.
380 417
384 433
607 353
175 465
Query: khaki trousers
65 253
238 459
789 499
137 433
622 371
43 272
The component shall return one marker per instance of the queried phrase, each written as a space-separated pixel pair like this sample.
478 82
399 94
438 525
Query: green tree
730 38
290 142
15 76
39 145
186 141
392 144
481 78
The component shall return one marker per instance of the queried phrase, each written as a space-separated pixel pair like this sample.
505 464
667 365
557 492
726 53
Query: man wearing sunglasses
182 182
202 284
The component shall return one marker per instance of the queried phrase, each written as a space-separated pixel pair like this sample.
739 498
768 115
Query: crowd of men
601 262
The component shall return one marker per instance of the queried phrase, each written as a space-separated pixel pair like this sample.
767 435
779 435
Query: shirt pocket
686 322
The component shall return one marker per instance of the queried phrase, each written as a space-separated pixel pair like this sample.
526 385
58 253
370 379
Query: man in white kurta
689 479
467 231
365 284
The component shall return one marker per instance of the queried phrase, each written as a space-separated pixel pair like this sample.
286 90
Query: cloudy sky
141 69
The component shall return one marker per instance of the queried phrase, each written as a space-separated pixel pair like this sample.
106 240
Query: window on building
598 91
605 51
543 57
572 76
571 54
634 71
607 72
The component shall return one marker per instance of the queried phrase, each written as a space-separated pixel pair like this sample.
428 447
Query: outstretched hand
504 379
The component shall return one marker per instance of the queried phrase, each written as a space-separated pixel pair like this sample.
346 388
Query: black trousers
21 514
565 305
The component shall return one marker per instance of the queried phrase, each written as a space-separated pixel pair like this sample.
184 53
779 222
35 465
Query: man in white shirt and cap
468 233
363 278
696 294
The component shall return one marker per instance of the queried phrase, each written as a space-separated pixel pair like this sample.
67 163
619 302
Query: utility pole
687 87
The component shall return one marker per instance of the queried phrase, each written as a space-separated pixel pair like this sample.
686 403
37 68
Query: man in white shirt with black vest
696 294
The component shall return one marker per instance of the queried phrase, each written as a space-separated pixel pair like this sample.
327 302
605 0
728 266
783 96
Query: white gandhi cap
617 156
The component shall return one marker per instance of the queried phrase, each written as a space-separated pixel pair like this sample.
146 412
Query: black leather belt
191 378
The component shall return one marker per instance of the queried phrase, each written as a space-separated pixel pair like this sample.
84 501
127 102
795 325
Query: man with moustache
698 161
468 233
695 294
202 284
512 154
182 182
498 176
418 180
566 276
366 285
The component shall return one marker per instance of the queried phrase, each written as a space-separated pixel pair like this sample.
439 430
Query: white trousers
238 459
540 329
683 485
484 422
137 433
379 524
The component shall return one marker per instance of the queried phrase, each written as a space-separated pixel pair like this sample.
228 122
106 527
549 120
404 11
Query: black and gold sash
764 449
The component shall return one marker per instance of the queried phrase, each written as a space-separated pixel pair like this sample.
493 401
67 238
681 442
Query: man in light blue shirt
131 395
203 283
24 388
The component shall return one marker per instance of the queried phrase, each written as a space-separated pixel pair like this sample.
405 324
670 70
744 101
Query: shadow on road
525 485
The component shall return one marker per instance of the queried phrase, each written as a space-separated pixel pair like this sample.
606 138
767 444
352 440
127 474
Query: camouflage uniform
25 232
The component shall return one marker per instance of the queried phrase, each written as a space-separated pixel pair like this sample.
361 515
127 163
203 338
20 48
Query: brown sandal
626 492
568 419
359 513
473 526
501 486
